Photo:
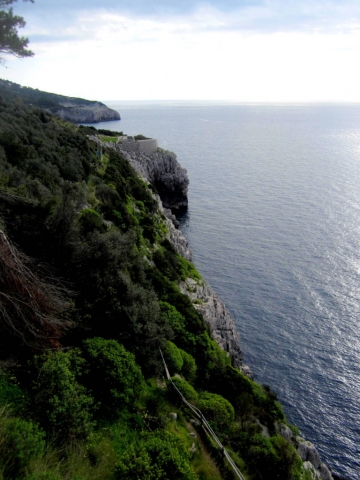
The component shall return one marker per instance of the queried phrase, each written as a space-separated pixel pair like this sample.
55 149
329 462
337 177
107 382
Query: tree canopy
10 41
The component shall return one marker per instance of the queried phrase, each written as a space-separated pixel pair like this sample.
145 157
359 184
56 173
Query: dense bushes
93 226
62 404
185 389
112 375
189 367
20 442
173 357
158 456
216 409
11 394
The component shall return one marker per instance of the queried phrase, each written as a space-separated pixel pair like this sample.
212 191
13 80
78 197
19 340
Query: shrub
189 365
216 409
90 220
272 457
167 262
141 137
11 394
186 389
20 442
173 317
112 375
187 269
173 357
157 456
62 404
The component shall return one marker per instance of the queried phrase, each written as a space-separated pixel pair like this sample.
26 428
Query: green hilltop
74 109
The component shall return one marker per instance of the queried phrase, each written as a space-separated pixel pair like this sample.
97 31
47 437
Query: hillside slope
91 288
76 110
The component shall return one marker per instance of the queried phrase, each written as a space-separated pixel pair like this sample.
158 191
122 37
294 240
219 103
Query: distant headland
76 110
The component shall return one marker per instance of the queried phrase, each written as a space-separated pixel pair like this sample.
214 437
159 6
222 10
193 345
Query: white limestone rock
218 318
94 113
308 453
324 472
309 467
164 172
284 431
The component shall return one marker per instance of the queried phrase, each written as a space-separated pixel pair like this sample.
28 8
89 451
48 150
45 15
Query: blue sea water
274 225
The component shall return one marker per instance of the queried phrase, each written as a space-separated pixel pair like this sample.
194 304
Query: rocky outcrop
308 454
165 173
93 113
73 109
175 236
215 314
161 169
204 299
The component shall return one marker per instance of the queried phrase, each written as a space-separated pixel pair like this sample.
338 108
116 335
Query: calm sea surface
274 224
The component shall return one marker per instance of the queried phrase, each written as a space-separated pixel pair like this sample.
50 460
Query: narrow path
205 425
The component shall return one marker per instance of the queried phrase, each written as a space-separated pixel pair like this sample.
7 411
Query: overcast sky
241 50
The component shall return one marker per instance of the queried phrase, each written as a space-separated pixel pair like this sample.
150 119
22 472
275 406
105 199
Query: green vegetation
141 137
216 409
106 138
157 456
32 96
173 357
61 404
21 441
185 389
90 292
10 41
90 130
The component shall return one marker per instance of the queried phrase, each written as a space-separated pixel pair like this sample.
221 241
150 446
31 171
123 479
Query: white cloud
113 56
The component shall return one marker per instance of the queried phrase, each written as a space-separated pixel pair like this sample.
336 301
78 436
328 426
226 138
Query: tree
10 42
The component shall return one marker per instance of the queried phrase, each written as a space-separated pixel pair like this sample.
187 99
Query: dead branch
30 308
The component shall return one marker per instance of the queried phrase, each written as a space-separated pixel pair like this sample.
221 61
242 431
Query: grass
202 462
105 138
92 461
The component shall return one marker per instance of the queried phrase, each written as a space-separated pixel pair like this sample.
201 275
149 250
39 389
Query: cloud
144 7
265 50
261 16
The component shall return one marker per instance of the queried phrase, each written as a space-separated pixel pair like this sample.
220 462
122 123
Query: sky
221 50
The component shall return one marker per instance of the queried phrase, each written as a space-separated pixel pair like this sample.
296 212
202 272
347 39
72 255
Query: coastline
205 300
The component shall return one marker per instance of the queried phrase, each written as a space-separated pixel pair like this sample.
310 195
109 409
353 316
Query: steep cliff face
95 113
164 172
76 110
308 454
162 168
216 315
225 333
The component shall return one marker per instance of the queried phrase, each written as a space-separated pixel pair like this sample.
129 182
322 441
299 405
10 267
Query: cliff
76 110
82 211
162 168
94 113
165 174
159 168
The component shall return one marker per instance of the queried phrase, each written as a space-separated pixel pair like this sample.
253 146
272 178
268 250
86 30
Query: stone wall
146 147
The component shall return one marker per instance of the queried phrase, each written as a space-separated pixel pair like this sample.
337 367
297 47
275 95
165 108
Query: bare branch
30 308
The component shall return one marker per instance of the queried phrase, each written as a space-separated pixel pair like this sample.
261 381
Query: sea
274 226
